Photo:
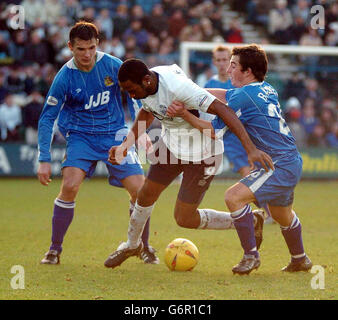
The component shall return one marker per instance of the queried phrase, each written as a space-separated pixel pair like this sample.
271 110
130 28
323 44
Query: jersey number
274 111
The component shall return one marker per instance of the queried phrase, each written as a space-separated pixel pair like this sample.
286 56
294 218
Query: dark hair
253 57
133 70
84 31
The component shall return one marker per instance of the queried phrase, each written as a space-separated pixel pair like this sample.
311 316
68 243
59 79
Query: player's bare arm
44 173
219 94
230 118
142 122
177 109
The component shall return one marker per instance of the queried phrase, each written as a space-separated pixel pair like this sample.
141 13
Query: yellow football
181 255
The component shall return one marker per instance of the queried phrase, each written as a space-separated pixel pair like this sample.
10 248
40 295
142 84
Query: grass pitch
101 221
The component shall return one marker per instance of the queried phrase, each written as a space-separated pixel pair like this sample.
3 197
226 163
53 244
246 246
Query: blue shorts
276 187
85 150
235 152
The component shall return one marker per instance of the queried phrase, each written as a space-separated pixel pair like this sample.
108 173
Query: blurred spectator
292 117
331 14
191 33
234 34
31 113
30 79
311 38
308 118
216 19
280 19
88 14
36 50
10 120
63 29
176 23
121 20
34 10
157 22
296 30
311 90
331 38
153 45
4 50
113 47
301 9
137 31
208 31
166 51
327 117
72 10
16 47
148 5
44 78
53 10
105 24
15 83
131 49
137 13
317 136
258 11
332 136
3 88
294 86
117 48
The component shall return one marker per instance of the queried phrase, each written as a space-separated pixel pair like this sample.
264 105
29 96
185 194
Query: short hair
221 48
253 57
133 70
83 30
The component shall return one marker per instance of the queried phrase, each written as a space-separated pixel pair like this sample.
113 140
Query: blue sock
145 233
293 239
266 209
243 221
62 218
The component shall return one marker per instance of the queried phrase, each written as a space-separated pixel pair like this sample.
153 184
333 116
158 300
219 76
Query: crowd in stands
152 30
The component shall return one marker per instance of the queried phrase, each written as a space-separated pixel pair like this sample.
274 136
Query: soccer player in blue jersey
256 104
85 97
233 148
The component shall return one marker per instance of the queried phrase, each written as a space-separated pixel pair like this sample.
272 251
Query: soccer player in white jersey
181 149
86 98
256 103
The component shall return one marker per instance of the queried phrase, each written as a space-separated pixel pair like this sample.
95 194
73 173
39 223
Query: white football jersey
184 141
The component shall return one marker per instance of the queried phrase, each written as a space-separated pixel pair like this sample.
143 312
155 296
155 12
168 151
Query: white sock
137 222
215 220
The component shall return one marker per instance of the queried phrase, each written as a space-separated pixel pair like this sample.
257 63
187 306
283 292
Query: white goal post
186 47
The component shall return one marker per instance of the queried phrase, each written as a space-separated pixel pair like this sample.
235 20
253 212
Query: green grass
101 221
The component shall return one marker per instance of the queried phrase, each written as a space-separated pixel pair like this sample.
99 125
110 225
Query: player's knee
230 197
70 188
185 219
182 221
146 196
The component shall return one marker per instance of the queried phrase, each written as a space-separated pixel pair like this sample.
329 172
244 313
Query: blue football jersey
258 108
214 82
86 102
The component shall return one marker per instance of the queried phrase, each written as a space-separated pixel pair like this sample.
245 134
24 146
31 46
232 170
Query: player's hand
117 154
44 173
145 143
176 109
262 157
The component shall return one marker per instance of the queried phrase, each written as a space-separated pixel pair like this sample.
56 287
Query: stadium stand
152 30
